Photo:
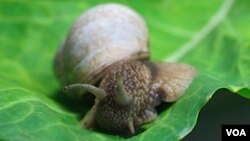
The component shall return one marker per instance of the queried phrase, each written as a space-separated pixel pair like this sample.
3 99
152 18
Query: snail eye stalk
97 92
122 97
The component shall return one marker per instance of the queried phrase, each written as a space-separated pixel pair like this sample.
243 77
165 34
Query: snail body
109 44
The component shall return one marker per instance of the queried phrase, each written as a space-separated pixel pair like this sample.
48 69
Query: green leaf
213 36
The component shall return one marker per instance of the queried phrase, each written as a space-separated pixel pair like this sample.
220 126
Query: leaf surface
213 36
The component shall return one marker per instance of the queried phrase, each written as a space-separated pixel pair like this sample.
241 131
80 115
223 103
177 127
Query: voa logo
236 132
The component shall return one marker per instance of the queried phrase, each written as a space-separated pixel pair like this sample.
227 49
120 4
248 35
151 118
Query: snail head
113 112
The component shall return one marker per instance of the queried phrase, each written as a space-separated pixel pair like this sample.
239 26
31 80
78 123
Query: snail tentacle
122 97
99 93
131 126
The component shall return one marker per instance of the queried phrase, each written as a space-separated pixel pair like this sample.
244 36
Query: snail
106 53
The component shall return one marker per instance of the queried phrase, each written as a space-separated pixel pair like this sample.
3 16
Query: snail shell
109 44
100 37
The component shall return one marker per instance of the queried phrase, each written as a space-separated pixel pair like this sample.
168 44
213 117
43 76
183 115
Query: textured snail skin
146 84
113 117
103 35
109 44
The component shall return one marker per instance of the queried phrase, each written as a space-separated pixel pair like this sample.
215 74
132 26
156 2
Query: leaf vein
199 36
